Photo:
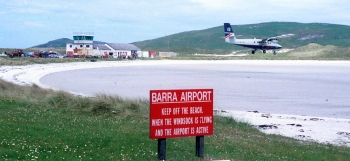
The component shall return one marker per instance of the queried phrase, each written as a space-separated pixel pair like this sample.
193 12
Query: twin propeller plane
255 44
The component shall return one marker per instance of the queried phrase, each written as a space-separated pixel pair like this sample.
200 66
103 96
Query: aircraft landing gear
253 51
274 52
264 51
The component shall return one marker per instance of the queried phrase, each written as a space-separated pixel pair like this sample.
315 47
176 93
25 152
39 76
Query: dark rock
266 115
303 136
314 119
344 133
219 111
265 127
297 125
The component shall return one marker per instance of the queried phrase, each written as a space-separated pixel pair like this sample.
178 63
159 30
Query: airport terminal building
84 46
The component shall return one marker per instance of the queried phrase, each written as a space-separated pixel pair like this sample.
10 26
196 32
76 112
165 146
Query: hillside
55 43
59 43
211 40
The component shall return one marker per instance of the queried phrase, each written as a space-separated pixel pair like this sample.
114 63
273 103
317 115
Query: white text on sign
181 97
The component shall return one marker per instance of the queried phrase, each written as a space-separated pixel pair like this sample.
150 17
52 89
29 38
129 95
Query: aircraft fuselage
257 44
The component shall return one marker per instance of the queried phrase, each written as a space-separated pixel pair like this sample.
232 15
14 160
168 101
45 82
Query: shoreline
326 130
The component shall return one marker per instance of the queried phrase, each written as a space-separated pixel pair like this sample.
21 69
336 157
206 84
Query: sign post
200 146
181 113
161 149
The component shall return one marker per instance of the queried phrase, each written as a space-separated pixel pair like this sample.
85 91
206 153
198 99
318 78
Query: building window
70 46
81 46
83 38
87 46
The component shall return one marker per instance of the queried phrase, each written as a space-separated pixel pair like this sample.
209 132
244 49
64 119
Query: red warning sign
180 113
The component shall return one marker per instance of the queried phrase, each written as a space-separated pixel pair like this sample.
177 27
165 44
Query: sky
26 23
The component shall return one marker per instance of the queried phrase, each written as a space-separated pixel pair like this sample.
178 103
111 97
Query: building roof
117 46
100 46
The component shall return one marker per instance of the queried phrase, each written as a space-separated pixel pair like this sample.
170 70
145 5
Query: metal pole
200 146
161 149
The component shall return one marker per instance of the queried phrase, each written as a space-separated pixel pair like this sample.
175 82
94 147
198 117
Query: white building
122 50
84 46
101 50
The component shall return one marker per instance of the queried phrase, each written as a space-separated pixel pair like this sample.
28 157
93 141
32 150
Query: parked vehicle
37 54
41 54
54 55
17 52
64 55
28 54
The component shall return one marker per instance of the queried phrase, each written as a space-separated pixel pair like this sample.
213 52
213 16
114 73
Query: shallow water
302 88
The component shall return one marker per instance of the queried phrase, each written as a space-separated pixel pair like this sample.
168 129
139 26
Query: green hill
59 43
55 43
211 40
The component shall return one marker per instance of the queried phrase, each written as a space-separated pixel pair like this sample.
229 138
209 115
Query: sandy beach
319 129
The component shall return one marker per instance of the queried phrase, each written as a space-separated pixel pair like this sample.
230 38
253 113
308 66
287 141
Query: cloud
34 24
31 11
216 5
30 7
137 20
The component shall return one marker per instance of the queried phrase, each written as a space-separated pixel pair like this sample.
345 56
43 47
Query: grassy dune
16 61
27 60
321 52
40 124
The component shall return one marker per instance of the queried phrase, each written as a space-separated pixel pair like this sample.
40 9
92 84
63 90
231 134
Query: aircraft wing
279 37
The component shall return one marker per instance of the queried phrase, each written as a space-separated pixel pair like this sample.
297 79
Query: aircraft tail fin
229 35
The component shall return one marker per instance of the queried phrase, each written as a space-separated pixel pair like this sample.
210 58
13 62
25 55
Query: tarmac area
306 88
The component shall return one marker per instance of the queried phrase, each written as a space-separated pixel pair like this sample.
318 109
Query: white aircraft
261 44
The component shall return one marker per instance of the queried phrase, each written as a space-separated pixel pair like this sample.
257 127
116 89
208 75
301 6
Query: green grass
28 60
39 124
